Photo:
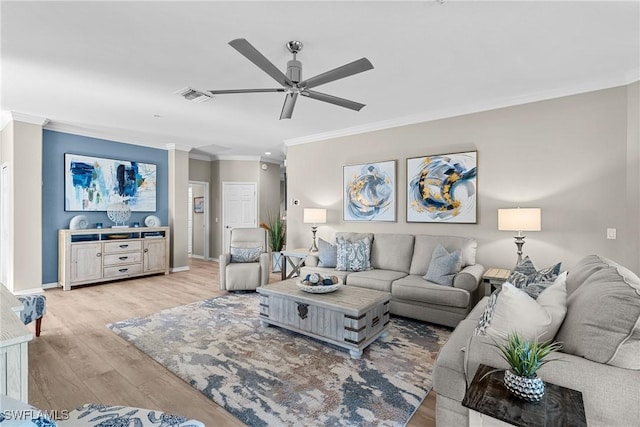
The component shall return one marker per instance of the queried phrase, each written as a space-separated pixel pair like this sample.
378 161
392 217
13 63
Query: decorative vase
531 389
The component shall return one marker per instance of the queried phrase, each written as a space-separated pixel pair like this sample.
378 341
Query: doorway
198 220
239 208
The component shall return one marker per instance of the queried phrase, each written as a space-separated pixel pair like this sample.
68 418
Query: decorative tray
318 289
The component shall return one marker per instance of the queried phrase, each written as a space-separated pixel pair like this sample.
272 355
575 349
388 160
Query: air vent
194 95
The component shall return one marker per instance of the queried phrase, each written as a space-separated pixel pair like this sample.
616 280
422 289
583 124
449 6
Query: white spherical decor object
118 213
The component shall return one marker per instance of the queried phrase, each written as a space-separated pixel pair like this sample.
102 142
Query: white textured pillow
515 311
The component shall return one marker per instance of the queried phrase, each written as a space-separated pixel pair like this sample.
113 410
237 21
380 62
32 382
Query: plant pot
276 262
531 389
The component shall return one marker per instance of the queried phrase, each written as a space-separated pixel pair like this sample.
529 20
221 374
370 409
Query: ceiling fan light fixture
194 95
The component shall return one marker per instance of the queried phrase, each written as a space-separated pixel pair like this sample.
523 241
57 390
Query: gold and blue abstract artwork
370 192
94 183
442 188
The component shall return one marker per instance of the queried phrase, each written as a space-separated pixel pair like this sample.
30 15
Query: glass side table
491 404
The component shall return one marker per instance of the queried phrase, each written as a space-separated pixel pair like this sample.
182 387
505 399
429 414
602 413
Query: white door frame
4 225
207 215
224 198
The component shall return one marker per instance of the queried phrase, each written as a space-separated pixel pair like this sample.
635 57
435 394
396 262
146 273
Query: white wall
568 156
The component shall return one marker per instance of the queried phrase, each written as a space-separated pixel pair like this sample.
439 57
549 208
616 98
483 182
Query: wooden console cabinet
99 255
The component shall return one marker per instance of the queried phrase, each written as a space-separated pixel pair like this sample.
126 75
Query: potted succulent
276 227
525 358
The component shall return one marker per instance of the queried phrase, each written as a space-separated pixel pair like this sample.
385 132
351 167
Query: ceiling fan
292 83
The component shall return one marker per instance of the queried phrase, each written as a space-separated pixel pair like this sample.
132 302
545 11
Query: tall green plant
276 226
526 357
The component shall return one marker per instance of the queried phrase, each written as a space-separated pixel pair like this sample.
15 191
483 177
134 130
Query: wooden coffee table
350 317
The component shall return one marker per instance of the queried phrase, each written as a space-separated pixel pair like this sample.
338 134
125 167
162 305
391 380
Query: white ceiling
107 69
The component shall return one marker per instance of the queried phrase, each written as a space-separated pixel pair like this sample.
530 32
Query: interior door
239 208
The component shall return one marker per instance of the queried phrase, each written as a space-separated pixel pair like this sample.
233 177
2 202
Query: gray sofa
601 359
399 262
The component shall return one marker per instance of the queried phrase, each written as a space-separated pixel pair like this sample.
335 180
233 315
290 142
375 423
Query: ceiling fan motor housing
294 70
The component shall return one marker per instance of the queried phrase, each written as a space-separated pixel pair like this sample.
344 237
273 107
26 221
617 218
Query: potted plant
525 358
276 227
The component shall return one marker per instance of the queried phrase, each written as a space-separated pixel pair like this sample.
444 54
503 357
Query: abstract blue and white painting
370 192
93 183
442 188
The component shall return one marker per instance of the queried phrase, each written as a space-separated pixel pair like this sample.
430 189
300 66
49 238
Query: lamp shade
315 216
519 219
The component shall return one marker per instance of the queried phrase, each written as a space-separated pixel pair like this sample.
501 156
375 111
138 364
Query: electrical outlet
611 233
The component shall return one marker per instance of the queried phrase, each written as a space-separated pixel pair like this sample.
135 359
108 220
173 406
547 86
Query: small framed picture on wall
198 204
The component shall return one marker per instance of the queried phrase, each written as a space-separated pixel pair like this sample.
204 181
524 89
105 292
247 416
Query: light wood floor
77 359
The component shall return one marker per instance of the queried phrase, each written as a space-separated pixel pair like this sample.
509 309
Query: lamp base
314 246
519 240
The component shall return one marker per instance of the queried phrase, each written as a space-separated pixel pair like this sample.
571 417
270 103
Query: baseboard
32 291
50 285
196 256
178 269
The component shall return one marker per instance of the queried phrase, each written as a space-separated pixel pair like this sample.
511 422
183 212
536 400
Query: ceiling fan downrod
294 67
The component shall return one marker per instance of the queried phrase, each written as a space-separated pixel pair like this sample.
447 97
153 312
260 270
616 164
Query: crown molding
197 156
630 77
8 116
179 147
238 158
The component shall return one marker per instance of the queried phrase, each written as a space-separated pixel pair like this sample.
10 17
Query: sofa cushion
603 318
583 270
540 319
444 266
392 252
353 237
353 256
415 288
425 244
380 280
327 254
245 254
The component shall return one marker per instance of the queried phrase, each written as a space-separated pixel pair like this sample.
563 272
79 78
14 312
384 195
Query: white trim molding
179 269
15 116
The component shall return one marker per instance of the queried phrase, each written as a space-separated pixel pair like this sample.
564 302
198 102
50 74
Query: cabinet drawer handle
98 254
124 246
123 270
122 258
146 250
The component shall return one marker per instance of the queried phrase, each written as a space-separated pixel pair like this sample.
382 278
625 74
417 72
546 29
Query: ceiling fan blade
252 54
333 100
289 103
227 91
347 70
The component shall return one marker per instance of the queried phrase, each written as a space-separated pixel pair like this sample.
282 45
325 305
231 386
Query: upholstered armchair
247 264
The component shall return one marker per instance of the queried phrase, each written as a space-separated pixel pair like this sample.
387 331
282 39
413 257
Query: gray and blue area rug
267 376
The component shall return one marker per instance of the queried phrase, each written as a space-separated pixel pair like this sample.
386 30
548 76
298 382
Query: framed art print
442 188
369 192
94 183
198 204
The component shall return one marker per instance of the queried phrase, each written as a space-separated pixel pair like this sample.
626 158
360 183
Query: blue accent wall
54 217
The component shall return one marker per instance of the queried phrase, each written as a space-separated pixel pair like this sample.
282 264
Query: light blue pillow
245 254
327 254
444 266
353 256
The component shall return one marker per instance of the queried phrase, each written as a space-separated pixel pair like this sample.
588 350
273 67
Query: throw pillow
485 318
327 254
525 273
444 266
245 254
353 256
533 319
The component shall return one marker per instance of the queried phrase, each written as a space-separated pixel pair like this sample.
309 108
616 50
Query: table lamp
519 219
314 216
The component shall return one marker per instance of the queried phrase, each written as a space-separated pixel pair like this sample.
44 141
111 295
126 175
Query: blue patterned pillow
444 266
245 254
353 256
327 254
485 319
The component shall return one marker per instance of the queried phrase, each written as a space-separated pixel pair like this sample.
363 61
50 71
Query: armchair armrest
265 267
224 260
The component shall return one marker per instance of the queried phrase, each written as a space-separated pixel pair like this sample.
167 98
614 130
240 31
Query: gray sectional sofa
601 358
399 262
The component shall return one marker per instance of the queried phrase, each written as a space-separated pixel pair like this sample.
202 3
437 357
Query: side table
491 404
493 278
295 258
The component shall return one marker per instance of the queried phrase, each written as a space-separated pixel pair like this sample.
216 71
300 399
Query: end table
295 258
493 278
491 404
